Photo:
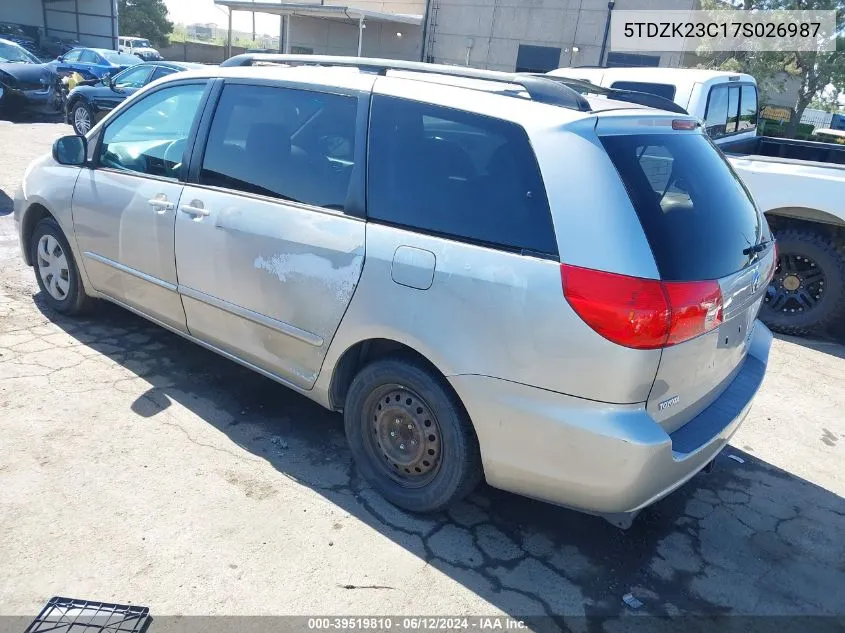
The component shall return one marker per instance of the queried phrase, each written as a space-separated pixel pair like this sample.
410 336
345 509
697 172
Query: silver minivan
491 275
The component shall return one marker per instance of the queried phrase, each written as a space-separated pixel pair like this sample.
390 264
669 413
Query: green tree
145 18
827 100
811 71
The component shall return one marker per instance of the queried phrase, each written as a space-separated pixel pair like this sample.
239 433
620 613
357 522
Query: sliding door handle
196 208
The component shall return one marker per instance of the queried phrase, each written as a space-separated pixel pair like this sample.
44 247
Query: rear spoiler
631 96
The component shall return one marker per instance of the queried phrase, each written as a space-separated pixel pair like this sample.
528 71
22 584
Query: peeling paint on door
341 280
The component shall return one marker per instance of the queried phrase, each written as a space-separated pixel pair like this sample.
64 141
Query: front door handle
160 203
196 208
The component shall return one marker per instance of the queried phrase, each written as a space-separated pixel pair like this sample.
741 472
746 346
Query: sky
203 11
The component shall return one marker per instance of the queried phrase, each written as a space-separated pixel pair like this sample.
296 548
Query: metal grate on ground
67 615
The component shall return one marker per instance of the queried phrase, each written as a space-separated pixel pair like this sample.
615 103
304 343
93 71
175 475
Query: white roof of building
344 13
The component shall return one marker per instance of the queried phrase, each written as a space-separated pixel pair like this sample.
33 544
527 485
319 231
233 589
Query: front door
267 254
124 205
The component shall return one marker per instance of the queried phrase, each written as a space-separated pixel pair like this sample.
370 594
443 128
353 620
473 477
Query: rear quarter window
456 174
696 214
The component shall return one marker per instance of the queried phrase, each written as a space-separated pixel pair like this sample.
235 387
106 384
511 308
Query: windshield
140 43
120 59
13 53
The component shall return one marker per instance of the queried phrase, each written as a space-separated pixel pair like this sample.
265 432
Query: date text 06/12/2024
421 623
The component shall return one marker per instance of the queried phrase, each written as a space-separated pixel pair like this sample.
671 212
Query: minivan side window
456 174
296 145
150 136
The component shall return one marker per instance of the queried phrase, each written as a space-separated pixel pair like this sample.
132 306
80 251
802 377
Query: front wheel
410 438
81 118
55 269
807 292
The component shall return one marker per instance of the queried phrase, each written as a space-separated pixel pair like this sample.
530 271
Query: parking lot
138 467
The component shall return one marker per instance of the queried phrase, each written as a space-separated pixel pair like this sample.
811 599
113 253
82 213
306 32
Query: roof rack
631 96
539 87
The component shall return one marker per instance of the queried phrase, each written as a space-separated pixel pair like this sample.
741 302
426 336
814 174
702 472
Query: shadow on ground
748 538
30 116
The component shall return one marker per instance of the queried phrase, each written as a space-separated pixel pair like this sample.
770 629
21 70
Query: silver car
491 275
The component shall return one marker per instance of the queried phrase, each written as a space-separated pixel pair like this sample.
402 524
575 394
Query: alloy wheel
81 120
797 286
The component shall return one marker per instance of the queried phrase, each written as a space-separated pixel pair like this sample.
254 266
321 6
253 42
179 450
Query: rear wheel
409 436
807 292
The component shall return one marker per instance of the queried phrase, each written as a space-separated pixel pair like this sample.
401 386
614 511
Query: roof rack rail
631 96
539 87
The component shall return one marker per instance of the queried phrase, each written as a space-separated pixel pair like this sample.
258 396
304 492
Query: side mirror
70 150
60 58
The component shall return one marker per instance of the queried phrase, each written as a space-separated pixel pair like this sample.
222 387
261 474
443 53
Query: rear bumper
597 457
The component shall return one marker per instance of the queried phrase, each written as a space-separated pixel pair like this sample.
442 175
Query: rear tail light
642 313
695 307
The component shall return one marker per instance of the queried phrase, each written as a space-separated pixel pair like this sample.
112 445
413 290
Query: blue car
94 63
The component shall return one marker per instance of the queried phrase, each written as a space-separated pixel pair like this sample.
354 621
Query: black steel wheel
405 438
806 292
409 435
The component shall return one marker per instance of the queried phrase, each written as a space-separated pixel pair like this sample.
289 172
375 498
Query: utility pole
610 5
229 37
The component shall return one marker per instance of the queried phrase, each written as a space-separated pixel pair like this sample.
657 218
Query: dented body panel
267 280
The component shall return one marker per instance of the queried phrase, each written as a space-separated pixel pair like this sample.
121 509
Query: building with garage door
508 35
89 22
535 35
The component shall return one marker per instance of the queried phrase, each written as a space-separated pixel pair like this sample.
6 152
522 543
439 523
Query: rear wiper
757 248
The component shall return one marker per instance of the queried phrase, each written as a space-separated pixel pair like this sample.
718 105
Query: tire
61 286
405 393
810 252
83 111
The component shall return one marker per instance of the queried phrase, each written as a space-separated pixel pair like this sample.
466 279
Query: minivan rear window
695 212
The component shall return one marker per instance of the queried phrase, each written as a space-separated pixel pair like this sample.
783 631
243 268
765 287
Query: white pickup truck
799 185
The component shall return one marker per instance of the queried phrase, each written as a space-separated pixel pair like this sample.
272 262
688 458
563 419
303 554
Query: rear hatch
713 251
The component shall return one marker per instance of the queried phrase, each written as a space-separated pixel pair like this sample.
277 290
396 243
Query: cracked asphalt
138 467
